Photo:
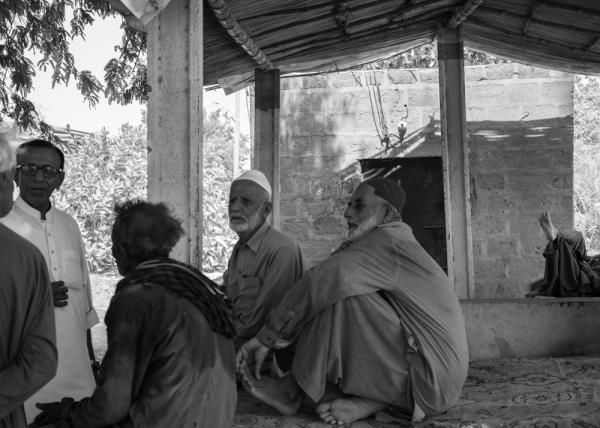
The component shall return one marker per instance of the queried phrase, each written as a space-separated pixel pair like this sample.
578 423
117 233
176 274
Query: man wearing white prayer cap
264 262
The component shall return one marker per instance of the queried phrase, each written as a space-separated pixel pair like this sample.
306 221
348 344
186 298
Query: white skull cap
257 177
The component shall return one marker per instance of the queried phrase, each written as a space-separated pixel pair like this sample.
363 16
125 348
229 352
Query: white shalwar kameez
59 239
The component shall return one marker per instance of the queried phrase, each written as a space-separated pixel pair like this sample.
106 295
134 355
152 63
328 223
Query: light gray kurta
390 316
259 273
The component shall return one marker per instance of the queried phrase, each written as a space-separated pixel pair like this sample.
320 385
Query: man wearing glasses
55 233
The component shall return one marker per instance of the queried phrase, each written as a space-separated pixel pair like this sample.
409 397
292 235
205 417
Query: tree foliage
218 172
99 172
44 29
587 158
105 169
425 56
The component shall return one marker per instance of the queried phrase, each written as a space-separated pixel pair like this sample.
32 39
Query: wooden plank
266 131
456 161
175 159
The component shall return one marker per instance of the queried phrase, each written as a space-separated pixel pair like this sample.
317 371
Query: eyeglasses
31 169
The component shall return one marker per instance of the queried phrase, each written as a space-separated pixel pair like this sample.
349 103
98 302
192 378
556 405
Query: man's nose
234 205
347 213
39 175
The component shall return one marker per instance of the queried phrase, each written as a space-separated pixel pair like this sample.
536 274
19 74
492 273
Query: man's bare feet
347 410
550 231
283 394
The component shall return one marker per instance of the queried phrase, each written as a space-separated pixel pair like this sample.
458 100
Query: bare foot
550 231
347 410
283 394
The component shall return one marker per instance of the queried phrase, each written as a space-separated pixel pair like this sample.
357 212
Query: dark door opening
423 182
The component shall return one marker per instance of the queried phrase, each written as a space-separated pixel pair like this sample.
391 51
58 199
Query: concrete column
175 157
266 131
455 155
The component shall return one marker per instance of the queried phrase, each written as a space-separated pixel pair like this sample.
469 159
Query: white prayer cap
257 177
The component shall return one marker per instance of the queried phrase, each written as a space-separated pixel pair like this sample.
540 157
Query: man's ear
389 213
268 208
59 181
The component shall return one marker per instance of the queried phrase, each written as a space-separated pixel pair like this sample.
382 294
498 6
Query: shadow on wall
517 170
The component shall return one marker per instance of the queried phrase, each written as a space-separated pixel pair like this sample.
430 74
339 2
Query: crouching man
377 324
170 358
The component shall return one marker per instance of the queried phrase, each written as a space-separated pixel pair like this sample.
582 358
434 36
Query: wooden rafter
230 24
420 26
592 45
463 13
552 24
534 8
400 12
571 8
527 39
319 35
426 4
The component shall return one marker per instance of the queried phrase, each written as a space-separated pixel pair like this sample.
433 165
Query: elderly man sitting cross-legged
170 360
377 324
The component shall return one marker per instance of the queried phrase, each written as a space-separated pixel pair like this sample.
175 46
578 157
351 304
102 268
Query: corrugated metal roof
322 35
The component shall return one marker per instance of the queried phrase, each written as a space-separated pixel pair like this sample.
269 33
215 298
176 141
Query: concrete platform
532 327
547 392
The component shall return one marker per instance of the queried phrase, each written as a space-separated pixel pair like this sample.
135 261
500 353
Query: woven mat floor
540 393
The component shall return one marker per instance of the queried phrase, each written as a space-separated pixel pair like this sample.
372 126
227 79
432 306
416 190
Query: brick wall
521 141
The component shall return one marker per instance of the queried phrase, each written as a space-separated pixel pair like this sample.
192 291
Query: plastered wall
521 163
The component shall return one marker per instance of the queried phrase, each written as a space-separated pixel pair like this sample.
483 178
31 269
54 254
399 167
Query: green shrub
101 171
586 180
104 170
218 173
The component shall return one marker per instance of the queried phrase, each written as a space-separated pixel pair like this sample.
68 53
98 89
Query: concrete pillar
455 155
266 131
175 155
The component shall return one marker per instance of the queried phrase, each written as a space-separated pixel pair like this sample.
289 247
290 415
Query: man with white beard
264 262
376 325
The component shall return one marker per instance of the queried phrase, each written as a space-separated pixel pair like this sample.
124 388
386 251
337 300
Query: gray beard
366 226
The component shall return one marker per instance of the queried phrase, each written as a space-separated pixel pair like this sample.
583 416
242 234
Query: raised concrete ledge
534 327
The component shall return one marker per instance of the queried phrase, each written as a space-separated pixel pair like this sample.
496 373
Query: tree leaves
89 87
47 28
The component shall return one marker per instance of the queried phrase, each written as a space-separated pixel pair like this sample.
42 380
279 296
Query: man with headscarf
264 262
170 360
27 333
377 324
568 270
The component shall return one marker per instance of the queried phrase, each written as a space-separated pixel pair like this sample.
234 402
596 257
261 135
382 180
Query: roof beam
422 6
463 13
517 36
230 24
502 12
532 12
592 45
571 8
424 25
333 33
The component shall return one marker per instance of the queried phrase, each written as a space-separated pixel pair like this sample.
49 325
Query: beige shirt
59 240
258 275
389 260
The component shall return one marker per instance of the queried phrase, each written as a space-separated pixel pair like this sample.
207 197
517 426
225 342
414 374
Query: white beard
366 226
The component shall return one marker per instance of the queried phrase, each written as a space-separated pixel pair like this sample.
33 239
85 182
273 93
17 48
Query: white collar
32 212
